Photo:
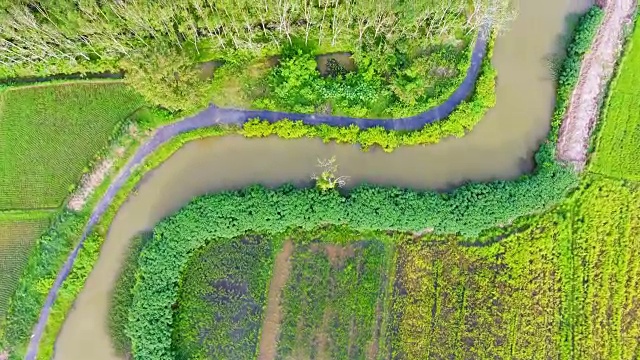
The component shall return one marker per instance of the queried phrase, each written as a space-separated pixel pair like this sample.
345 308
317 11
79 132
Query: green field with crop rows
17 236
49 134
332 301
564 286
618 143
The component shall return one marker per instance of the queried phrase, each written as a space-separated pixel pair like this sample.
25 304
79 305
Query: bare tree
328 179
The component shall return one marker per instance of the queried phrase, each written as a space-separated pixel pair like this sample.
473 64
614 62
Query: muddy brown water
343 58
499 147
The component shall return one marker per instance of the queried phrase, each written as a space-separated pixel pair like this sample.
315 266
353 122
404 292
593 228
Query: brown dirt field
595 72
273 315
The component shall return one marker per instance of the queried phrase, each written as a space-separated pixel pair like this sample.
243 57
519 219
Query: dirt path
596 70
273 315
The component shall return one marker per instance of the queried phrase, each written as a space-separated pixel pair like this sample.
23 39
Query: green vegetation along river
499 147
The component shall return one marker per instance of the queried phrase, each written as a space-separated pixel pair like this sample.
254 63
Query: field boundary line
17 87
9 215
596 70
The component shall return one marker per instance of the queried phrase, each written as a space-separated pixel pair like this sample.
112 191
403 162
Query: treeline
73 31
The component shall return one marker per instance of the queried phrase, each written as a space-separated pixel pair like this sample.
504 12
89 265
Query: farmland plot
332 300
618 143
563 287
477 303
17 237
602 303
49 134
221 300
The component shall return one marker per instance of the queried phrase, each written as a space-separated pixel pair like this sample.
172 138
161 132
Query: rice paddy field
18 232
50 133
618 143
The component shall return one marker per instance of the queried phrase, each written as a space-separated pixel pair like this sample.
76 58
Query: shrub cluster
460 121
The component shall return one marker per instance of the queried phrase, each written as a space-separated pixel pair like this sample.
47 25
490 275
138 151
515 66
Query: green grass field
618 143
50 133
18 233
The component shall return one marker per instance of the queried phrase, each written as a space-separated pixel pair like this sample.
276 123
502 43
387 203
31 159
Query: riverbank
595 74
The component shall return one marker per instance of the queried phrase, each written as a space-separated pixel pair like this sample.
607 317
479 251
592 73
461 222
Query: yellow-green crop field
565 286
50 133
618 144
17 236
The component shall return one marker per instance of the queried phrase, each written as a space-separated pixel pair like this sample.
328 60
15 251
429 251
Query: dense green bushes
393 85
461 120
122 297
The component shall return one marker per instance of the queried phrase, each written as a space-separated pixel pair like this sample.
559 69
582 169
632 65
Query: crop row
618 143
601 272
330 301
477 303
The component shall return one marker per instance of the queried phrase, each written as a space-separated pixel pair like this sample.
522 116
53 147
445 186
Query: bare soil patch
337 254
595 72
322 336
273 314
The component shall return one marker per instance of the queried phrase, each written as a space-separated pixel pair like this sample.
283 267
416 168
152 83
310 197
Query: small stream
500 147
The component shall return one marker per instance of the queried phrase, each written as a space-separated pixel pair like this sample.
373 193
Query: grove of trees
45 37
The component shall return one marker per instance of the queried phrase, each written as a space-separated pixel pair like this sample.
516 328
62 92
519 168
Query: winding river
499 147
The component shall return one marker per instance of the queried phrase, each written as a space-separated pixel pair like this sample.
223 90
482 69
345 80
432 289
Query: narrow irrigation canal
499 147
